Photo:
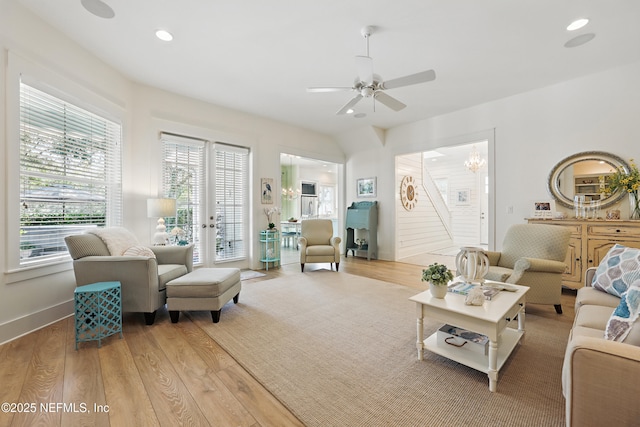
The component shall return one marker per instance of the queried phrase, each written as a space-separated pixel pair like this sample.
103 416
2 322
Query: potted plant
269 213
438 276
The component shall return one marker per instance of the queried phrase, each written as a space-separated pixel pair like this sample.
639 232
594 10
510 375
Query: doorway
453 208
309 190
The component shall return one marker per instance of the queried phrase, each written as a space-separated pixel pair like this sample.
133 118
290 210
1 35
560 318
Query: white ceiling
259 57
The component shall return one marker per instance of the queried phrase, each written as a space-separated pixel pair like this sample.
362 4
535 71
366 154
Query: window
231 164
183 180
211 214
70 173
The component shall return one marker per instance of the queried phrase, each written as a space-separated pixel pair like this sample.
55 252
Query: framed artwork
266 186
545 209
366 187
463 197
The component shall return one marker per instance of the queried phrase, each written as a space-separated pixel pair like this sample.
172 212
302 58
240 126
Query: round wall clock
408 193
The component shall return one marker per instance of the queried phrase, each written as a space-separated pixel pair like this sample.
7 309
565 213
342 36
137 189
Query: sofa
114 254
600 377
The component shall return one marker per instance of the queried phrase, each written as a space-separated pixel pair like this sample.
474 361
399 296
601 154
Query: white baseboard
16 328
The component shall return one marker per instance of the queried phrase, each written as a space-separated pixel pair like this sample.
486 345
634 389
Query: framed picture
463 197
266 186
366 187
545 209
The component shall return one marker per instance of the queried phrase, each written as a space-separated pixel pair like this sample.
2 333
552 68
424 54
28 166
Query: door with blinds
209 181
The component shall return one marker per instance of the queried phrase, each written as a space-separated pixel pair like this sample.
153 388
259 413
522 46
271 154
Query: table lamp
161 208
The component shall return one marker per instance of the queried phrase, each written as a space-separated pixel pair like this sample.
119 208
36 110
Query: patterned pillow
139 251
620 325
619 268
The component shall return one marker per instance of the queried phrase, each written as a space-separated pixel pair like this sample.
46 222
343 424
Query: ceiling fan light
164 35
577 24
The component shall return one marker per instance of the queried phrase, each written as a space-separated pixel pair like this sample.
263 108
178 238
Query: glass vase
634 205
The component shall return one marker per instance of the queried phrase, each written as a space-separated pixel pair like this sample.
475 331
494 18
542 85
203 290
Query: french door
209 181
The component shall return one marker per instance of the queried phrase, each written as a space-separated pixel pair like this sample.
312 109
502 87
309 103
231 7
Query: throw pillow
618 269
620 326
139 251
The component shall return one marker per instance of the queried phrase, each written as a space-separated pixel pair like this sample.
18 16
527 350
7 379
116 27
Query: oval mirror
585 174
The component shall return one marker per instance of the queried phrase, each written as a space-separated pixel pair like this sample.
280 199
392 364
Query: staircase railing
440 206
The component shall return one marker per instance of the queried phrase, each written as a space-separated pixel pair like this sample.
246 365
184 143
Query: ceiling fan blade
422 77
364 65
389 101
349 104
328 89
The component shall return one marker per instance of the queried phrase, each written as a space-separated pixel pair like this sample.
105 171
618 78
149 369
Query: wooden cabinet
590 241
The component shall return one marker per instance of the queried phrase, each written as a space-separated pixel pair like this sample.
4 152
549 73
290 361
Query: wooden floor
160 375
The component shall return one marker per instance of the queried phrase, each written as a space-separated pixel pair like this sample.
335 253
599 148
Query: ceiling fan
370 85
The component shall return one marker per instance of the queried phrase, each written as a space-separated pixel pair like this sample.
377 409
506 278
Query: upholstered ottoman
203 289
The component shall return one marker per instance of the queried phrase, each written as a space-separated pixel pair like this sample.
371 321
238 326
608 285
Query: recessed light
580 40
98 8
577 24
164 35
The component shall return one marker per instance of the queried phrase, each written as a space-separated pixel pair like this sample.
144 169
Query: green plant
625 181
26 246
438 274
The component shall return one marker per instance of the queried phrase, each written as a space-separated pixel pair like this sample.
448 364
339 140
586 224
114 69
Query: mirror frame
553 181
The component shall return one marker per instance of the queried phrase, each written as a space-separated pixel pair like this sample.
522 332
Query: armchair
317 243
142 272
533 255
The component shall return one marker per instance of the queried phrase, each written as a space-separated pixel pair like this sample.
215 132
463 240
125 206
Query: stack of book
463 288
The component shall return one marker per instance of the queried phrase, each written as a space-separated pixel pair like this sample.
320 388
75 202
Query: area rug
250 274
339 350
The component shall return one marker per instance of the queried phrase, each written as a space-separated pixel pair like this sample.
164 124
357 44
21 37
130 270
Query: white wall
32 299
533 132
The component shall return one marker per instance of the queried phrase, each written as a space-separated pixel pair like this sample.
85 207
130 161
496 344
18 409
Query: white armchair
142 272
317 243
533 255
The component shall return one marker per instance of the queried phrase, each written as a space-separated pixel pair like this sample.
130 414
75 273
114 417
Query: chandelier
475 162
290 194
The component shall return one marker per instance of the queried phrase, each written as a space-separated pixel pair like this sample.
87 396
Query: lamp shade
159 208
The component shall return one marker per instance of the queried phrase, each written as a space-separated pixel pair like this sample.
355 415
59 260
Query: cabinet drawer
613 230
576 229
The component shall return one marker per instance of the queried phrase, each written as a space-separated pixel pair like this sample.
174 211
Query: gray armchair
533 255
142 277
317 243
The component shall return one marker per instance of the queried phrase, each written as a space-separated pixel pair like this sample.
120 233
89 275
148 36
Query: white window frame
21 69
209 231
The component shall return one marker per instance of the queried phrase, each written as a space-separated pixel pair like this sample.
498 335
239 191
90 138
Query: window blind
70 173
183 174
222 198
231 177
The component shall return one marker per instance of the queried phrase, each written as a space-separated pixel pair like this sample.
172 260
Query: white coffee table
490 319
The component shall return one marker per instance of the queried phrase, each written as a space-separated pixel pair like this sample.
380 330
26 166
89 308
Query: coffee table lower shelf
480 362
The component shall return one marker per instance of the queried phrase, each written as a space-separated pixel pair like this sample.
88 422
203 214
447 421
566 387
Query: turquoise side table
98 308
